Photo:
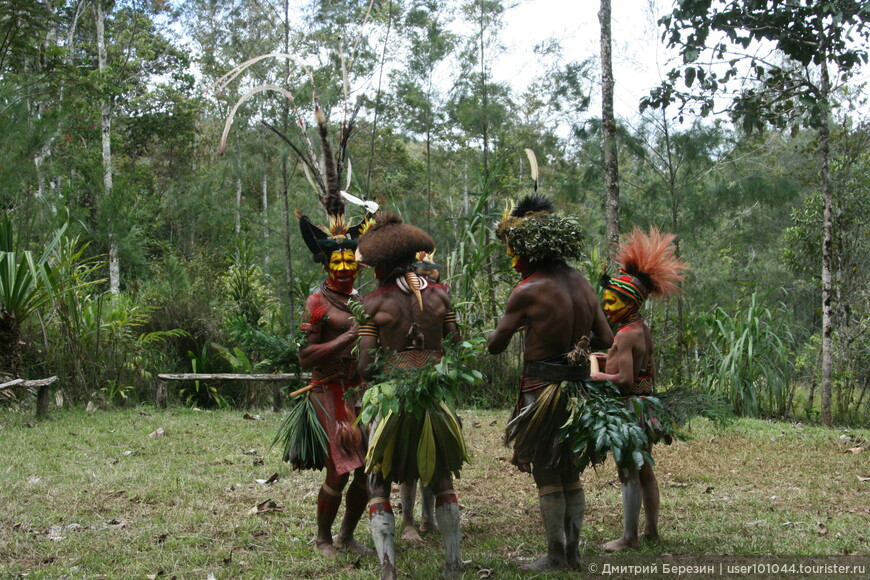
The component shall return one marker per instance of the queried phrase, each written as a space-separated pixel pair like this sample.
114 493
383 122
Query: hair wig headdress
648 266
391 246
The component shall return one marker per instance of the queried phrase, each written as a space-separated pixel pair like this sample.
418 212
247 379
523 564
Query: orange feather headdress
648 265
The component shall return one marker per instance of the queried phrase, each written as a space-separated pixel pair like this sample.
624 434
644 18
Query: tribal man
558 309
408 318
331 334
425 267
647 266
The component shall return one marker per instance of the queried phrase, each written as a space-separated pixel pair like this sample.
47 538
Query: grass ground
102 495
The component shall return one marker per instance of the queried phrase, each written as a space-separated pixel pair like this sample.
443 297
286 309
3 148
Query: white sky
638 55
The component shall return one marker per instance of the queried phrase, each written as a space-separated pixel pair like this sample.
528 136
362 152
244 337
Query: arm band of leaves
369 330
450 317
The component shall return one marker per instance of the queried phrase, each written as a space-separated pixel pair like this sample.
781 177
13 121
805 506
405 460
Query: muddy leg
356 500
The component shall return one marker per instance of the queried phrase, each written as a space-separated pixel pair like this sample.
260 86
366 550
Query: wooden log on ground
161 395
41 394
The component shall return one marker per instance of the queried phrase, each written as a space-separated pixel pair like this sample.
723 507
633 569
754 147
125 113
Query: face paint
342 269
516 263
614 308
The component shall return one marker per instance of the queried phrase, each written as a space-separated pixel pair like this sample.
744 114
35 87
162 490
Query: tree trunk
106 135
238 228
10 358
827 245
285 178
266 217
608 128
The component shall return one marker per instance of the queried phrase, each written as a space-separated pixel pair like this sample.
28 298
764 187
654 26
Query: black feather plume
532 204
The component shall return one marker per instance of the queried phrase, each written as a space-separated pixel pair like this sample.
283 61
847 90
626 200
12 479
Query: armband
369 330
450 317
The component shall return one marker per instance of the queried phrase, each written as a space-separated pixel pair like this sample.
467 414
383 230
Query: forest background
130 246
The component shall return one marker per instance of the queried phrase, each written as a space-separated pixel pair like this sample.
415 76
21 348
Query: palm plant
27 285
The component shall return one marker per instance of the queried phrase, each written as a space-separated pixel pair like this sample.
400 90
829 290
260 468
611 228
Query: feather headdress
326 175
648 265
326 179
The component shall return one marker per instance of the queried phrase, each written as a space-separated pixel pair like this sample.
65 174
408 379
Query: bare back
402 325
556 306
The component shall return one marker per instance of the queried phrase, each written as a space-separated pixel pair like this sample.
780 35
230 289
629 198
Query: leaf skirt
405 446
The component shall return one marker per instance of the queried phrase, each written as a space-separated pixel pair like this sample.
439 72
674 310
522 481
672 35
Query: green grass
90 495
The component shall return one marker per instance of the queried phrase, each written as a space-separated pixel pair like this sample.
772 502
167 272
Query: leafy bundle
599 422
301 436
418 434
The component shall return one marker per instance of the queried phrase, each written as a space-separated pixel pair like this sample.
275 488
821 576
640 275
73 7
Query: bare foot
388 571
410 534
543 564
327 549
427 527
620 544
452 571
652 537
352 545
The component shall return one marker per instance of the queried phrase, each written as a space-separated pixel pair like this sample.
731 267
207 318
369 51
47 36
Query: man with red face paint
647 266
558 310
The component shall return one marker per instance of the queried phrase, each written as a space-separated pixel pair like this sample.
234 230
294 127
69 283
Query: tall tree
611 163
106 140
796 86
417 94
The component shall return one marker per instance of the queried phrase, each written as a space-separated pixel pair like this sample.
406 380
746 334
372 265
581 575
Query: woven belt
554 372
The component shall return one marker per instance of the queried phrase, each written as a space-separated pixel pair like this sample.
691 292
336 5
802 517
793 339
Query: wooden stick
304 389
310 386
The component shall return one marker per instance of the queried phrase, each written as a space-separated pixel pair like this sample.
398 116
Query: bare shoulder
630 334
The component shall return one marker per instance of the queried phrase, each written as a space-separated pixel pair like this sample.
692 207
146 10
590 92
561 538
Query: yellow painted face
614 308
342 269
515 259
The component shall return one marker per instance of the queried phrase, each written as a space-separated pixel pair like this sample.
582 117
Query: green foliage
201 393
301 437
808 34
686 403
416 426
747 362
599 423
413 390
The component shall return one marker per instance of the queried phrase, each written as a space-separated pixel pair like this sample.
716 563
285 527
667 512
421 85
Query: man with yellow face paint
557 309
648 266
332 332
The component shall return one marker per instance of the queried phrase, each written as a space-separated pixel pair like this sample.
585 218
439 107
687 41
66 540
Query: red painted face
342 268
614 308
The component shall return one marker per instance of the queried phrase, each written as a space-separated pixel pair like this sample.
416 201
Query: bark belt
554 372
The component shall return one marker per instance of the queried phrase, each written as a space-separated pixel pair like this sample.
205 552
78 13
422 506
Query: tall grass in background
746 360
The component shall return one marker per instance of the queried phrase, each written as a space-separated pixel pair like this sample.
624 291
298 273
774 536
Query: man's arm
625 347
450 326
513 319
317 352
367 344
